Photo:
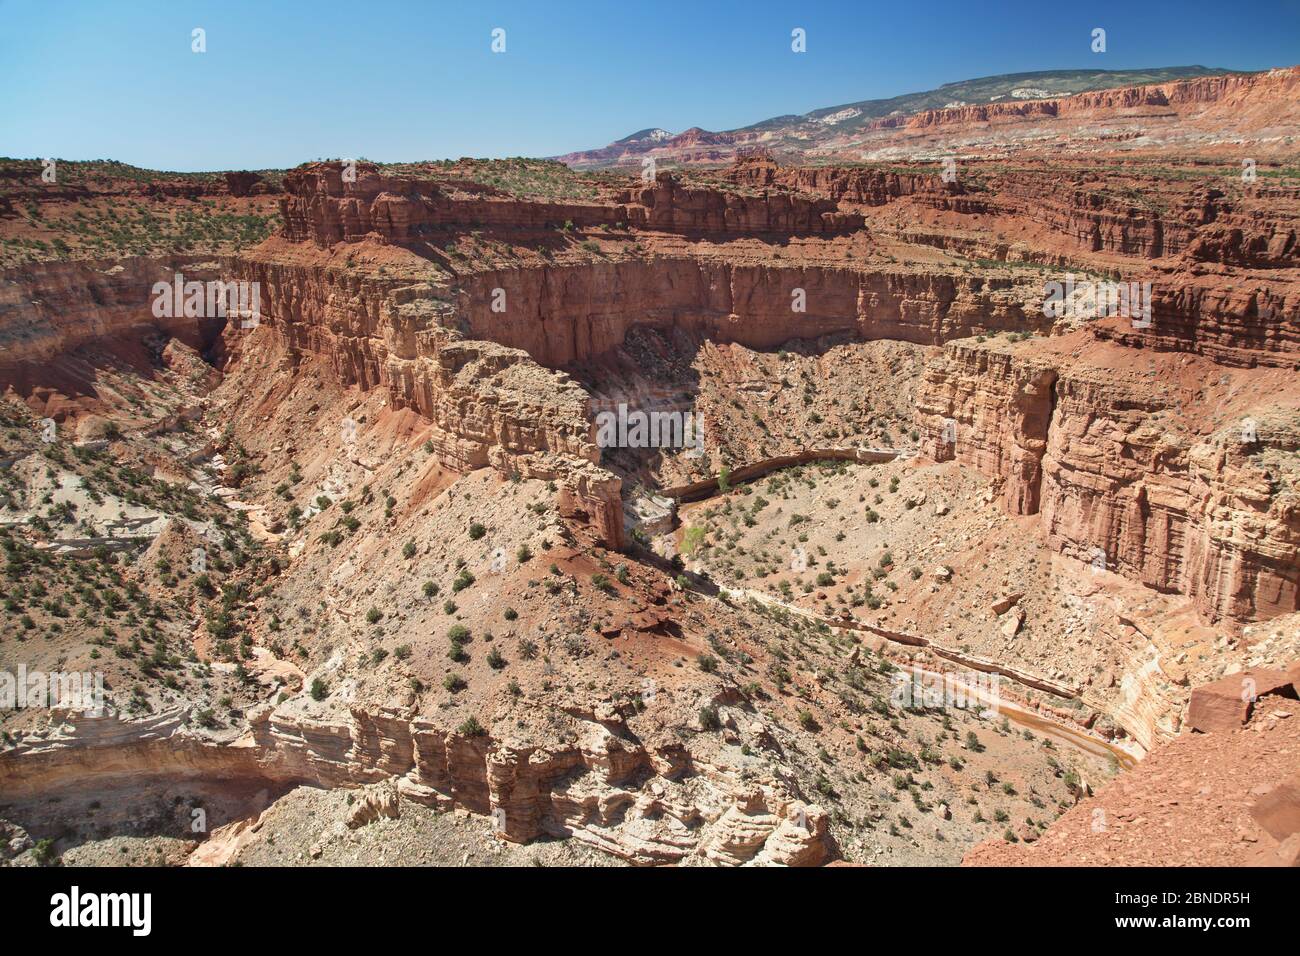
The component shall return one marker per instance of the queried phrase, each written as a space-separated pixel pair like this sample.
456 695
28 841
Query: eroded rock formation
334 202
1082 443
648 804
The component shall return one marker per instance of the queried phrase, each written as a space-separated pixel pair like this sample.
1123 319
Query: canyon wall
567 314
1237 320
1193 515
1090 449
648 803
491 405
1217 94
669 206
478 358
1131 209
50 309
861 185
321 206
990 412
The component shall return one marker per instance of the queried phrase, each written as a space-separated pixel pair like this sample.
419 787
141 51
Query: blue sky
282 82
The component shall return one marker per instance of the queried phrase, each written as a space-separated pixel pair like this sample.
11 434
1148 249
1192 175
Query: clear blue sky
285 82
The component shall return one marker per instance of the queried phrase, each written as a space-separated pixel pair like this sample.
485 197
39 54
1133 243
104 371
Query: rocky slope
1218 799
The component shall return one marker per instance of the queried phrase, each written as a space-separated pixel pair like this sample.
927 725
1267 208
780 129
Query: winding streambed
1072 735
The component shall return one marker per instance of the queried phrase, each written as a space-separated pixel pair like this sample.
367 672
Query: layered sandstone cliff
670 206
648 803
566 314
333 202
1237 320
992 412
860 185
476 355
336 202
1088 445
1219 94
492 405
50 309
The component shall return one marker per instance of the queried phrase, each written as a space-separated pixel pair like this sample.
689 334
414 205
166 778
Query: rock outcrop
1225 798
670 206
859 185
1225 705
990 411
49 310
336 202
648 804
1211 516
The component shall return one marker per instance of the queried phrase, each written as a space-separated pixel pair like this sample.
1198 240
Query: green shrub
709 718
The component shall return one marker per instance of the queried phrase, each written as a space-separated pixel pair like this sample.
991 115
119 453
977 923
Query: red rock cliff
1087 444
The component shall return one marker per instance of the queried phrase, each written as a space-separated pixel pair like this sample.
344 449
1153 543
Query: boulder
1224 705
1011 625
1286 853
1278 810
1006 603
